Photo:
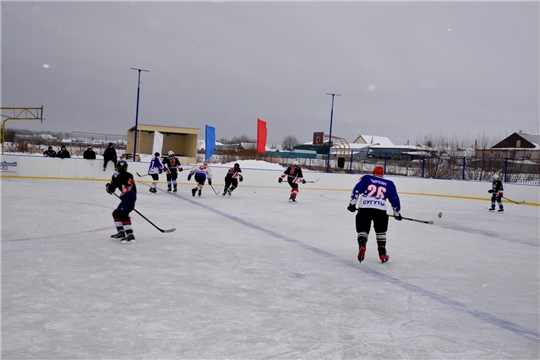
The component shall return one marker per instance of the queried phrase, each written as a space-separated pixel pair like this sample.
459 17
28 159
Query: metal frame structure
19 113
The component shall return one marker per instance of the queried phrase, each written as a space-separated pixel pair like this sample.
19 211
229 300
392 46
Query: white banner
158 143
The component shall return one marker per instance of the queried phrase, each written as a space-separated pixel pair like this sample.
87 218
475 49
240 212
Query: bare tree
289 142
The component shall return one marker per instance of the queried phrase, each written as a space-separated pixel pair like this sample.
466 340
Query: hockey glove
279 180
107 185
303 181
397 215
490 191
351 207
161 171
241 179
499 194
180 169
209 182
189 177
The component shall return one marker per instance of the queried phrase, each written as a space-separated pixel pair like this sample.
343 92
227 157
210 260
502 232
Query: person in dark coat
89 154
63 153
109 155
50 152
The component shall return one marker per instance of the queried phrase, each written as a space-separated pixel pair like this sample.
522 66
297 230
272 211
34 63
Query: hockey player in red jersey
496 192
370 194
172 167
201 172
231 179
294 176
123 180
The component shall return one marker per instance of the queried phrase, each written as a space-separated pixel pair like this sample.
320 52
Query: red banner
261 136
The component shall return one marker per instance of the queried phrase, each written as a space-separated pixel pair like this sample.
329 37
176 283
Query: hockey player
370 194
496 192
294 176
231 179
123 180
172 167
201 173
155 168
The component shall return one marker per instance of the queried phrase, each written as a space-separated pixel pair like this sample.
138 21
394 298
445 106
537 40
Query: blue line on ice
456 305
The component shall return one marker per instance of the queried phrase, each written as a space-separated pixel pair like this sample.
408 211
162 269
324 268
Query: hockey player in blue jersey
155 168
370 195
123 180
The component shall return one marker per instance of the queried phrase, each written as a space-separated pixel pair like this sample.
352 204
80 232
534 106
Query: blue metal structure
137 113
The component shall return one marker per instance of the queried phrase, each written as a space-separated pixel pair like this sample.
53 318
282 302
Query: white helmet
171 153
295 163
495 177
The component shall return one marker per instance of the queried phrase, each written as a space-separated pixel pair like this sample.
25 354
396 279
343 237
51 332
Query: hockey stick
312 181
420 221
515 202
144 217
142 175
214 189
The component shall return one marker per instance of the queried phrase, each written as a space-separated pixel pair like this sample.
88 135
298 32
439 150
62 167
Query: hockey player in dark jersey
172 167
231 179
496 192
370 194
123 180
294 176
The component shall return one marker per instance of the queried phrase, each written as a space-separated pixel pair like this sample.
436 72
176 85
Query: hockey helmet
495 177
236 165
171 153
156 154
378 171
122 166
110 144
295 163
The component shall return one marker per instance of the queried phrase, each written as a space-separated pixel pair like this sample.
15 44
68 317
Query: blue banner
209 142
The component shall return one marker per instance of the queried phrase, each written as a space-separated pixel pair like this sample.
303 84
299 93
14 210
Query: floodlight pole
330 135
137 112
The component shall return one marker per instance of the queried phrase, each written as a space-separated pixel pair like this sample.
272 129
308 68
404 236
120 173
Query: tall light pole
330 135
137 112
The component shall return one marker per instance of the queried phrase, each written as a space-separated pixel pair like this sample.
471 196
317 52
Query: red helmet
378 170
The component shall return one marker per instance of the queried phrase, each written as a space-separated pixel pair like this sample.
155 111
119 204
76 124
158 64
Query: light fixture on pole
330 135
137 112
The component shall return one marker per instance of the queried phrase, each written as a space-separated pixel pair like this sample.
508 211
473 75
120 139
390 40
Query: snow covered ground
253 276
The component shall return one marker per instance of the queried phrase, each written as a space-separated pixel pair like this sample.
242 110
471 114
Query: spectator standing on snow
109 155
63 153
89 154
49 152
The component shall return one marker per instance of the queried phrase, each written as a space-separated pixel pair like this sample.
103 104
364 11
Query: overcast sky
404 69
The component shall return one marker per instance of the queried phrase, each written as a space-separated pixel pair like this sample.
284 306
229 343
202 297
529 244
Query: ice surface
253 276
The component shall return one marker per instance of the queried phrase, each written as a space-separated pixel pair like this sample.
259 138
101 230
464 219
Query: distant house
516 146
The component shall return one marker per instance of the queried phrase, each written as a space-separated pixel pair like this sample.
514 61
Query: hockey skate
384 258
152 190
119 235
492 208
292 199
175 190
200 192
130 239
225 192
229 192
361 253
168 189
193 191
500 210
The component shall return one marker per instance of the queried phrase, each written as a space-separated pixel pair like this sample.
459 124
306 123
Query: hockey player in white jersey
200 172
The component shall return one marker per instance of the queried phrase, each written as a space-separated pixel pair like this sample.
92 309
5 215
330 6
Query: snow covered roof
370 139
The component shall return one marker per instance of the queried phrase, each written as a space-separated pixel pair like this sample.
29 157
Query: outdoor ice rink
256 277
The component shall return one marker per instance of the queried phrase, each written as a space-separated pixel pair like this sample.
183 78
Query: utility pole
137 112
330 135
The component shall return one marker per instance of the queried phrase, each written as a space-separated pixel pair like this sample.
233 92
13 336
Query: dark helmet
236 165
110 144
122 166
156 154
